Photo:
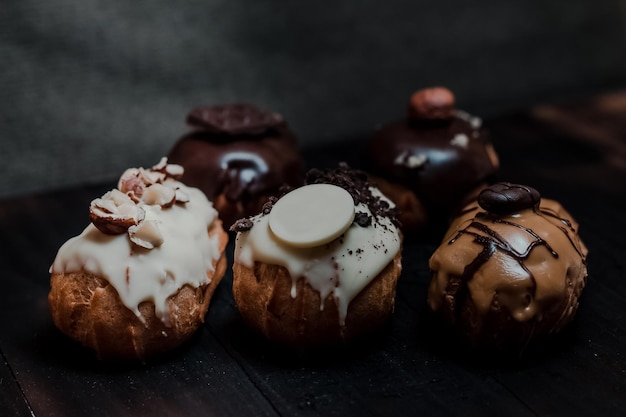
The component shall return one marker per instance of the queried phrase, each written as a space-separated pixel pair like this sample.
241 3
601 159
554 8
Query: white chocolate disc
312 215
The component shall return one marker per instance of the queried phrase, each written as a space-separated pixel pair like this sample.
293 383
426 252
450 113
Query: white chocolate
182 254
342 267
312 215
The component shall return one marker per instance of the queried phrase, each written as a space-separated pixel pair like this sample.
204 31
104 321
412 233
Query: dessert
433 161
137 281
510 269
239 156
319 265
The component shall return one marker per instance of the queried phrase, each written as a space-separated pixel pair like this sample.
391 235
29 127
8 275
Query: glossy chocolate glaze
238 166
441 161
505 279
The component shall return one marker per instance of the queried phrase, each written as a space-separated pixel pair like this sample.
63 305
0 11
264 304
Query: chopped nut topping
119 210
159 194
170 170
139 184
114 213
174 171
151 177
133 186
160 167
181 196
146 234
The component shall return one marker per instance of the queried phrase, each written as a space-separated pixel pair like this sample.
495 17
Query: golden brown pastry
510 269
137 281
319 266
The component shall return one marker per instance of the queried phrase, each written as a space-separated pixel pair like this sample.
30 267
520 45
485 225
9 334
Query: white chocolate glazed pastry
138 280
320 264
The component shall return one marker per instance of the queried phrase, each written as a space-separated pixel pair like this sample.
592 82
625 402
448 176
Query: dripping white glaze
342 267
185 256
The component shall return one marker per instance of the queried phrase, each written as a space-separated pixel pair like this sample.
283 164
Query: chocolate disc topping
506 198
234 119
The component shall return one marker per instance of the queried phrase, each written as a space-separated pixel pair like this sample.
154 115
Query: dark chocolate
363 219
440 161
238 170
234 119
506 198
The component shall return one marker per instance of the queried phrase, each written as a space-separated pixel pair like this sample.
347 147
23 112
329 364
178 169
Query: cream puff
431 162
510 269
319 265
137 282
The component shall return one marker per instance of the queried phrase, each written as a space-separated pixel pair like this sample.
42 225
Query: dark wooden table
574 153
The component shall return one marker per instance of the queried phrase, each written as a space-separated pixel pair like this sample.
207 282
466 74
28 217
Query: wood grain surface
574 153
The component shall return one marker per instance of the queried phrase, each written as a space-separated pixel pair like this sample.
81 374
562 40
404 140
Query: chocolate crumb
355 182
269 204
241 225
362 219
284 189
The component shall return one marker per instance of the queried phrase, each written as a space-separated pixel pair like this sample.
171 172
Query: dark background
88 88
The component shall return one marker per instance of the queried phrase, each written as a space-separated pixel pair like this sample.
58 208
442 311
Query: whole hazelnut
435 103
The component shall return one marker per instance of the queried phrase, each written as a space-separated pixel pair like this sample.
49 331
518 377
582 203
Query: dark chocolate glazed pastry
510 269
239 156
432 161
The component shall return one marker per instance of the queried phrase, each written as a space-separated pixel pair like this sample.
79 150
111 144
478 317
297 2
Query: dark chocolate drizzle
568 230
493 242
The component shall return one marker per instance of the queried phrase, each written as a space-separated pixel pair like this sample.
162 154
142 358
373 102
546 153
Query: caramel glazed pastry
239 156
510 269
432 162
319 266
138 280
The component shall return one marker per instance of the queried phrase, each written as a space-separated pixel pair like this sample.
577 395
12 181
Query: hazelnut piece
114 213
181 196
170 170
159 194
435 103
146 234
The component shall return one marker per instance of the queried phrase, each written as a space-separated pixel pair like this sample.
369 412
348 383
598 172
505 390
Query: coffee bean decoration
234 119
506 198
